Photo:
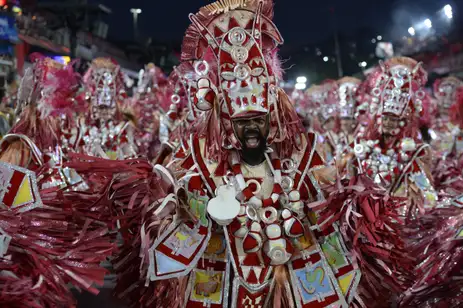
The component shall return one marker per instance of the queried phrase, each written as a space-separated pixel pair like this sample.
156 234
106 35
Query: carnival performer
240 234
46 247
302 102
150 105
327 115
446 135
392 141
180 120
46 94
349 112
250 171
392 186
105 130
321 110
314 99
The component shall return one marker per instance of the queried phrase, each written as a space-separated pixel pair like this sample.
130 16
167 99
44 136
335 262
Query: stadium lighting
428 23
301 79
412 31
325 58
300 86
448 11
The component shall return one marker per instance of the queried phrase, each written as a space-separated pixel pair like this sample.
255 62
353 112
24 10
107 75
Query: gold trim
223 6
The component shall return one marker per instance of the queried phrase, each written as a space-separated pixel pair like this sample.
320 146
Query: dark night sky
300 21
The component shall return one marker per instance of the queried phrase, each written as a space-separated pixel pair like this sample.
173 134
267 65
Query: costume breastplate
447 139
258 240
396 167
385 165
106 140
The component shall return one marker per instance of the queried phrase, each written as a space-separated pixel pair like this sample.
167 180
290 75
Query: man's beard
253 154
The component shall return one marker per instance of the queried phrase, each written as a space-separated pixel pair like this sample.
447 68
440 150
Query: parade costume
45 246
46 94
227 231
350 113
392 188
150 105
249 214
249 242
179 121
304 108
324 98
104 130
400 92
447 139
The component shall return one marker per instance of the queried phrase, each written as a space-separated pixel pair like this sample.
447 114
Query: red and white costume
150 105
248 240
46 245
103 130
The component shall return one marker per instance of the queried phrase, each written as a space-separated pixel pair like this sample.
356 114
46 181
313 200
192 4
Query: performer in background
446 136
390 188
47 247
327 116
349 113
178 122
391 153
105 130
150 106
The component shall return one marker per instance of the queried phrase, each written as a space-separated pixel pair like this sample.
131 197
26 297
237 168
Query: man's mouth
252 140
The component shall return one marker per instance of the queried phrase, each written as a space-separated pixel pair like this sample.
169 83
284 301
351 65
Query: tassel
281 296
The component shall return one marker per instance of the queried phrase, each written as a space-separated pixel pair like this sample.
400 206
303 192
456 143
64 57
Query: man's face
347 125
329 125
252 133
390 124
103 113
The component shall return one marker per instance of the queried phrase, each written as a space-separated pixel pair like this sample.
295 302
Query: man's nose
252 125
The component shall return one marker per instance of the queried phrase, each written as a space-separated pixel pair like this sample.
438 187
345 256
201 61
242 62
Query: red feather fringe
372 231
134 193
50 248
432 239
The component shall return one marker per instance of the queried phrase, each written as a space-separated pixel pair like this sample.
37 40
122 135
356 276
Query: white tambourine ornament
224 208
205 95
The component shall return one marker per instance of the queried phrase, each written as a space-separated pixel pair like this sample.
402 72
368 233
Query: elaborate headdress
399 87
347 95
445 91
233 47
50 86
104 83
180 97
180 94
150 78
329 98
48 90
